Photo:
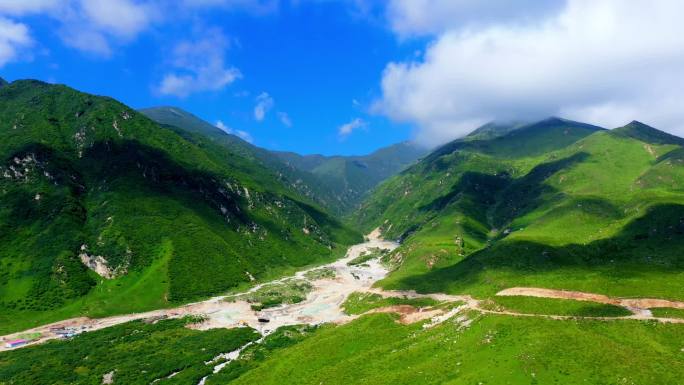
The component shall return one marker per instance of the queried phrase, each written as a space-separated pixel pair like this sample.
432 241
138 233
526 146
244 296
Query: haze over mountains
105 210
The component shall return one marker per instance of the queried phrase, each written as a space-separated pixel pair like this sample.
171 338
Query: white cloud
424 17
13 38
121 18
264 102
200 65
20 7
285 119
240 133
92 26
347 128
602 61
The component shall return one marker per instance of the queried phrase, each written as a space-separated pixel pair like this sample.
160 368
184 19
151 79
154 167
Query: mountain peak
645 133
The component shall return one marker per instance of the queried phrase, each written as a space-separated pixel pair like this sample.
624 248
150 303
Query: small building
16 343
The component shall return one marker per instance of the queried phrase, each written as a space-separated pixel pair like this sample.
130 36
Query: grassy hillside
492 350
338 183
165 217
374 349
352 177
555 204
192 127
132 353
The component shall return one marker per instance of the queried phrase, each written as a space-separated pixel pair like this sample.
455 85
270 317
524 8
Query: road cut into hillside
639 306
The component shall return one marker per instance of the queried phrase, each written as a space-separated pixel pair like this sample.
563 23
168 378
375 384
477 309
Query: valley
324 303
126 240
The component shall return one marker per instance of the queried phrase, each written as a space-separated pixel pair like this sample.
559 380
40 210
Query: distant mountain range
337 182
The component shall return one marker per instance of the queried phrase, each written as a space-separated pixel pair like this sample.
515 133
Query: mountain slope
556 204
492 130
161 217
352 177
336 182
190 126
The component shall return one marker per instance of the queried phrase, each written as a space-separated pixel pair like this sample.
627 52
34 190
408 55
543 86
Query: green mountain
492 130
174 116
555 204
352 177
162 216
335 182
303 182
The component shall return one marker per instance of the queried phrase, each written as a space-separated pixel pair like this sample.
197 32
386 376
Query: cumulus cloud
13 38
264 102
240 133
424 17
285 119
602 61
93 26
122 18
199 65
347 128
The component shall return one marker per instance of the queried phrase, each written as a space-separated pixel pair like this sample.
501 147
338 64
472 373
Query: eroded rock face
97 264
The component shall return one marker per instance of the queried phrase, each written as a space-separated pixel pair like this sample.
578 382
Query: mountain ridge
336 182
89 185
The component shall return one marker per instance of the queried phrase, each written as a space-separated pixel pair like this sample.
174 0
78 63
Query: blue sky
350 76
319 63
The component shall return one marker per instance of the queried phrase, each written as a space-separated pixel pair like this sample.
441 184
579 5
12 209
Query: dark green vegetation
367 256
182 210
551 306
254 355
304 182
271 295
320 273
668 312
492 350
374 349
134 353
174 216
335 182
352 177
554 204
493 130
359 303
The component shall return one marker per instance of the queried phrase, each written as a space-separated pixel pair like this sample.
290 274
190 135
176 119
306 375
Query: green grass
320 273
271 295
667 312
253 356
551 306
598 212
137 353
177 215
359 303
492 350
366 256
